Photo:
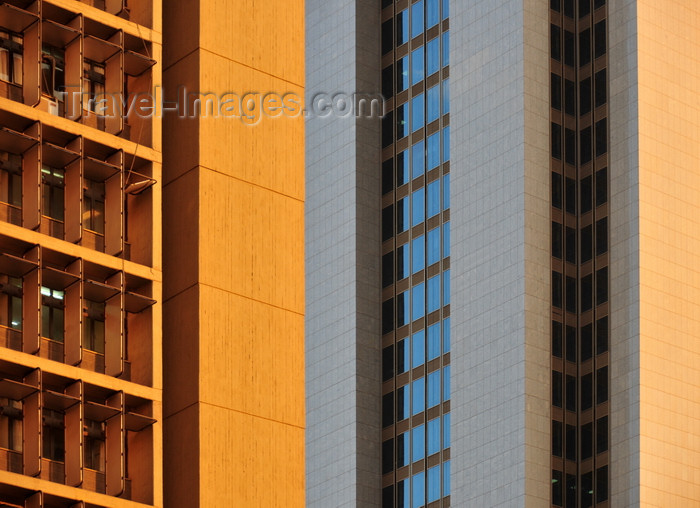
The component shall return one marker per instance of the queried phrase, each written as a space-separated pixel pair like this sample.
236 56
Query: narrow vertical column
31 426
31 87
114 328
31 305
74 436
114 447
73 322
114 211
31 187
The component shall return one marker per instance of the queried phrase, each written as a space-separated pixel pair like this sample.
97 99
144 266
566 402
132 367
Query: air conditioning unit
53 107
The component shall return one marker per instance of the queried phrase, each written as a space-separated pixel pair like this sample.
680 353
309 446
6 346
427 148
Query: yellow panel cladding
669 209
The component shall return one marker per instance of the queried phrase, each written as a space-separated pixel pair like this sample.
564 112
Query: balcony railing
51 227
11 91
53 471
10 213
10 338
51 349
10 460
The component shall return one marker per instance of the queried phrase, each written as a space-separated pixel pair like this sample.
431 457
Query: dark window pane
388 129
601 335
601 484
587 293
587 490
556 290
388 316
387 222
556 91
586 342
387 456
570 397
387 269
569 8
602 435
598 3
556 42
557 438
570 143
555 5
570 195
601 137
586 441
557 339
387 176
600 88
403 358
556 190
585 98
556 240
586 194
570 344
388 363
557 488
586 392
601 385
388 497
403 269
571 490
586 148
601 286
600 39
569 48
601 236
570 442
556 141
402 168
584 8
388 81
387 36
570 294
569 97
388 409
586 244
556 389
570 245
584 49
601 187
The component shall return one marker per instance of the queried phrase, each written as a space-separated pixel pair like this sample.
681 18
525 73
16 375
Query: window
600 39
446 149
556 240
446 336
433 389
388 409
601 236
556 91
446 192
418 159
52 314
446 383
403 221
557 488
387 456
402 74
418 204
402 27
402 259
569 97
403 309
587 490
434 150
11 179
570 245
446 431
403 403
434 293
53 435
602 335
446 479
446 240
418 443
418 341
556 144
446 49
387 37
600 88
555 41
402 121
557 339
557 396
433 56
601 486
417 65
586 441
586 342
402 356
446 287
602 286
585 47
402 168
557 438
94 445
417 19
432 17
387 363
94 326
434 483
418 488
11 301
53 72
434 107
433 436
52 192
433 341
445 96
570 294
417 112
433 241
586 392
556 190
418 392
601 385
10 424
11 52
403 450
388 81
418 294
571 393
94 86
445 9
570 445
601 187
94 206
585 98
387 176
556 290
569 49
602 435
418 252
571 344
601 137
586 243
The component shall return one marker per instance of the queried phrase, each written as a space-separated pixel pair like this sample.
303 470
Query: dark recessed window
556 141
557 488
602 435
569 48
584 50
388 497
556 190
600 39
556 290
586 194
569 8
388 409
557 438
598 3
570 195
570 245
388 81
387 36
387 456
601 236
586 148
601 187
601 137
556 42
586 342
557 395
555 5
557 339
387 176
601 340
601 93
388 129
570 443
387 222
587 490
387 269
570 146
585 97
584 8
570 398
586 244
388 363
586 441
569 97
586 293
571 294
587 393
556 91
601 385
570 490
571 344
601 286
556 240
601 484
388 316
403 356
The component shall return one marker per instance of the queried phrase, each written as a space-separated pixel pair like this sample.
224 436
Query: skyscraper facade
502 291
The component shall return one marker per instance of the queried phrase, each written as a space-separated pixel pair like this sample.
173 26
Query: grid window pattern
578 113
416 262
